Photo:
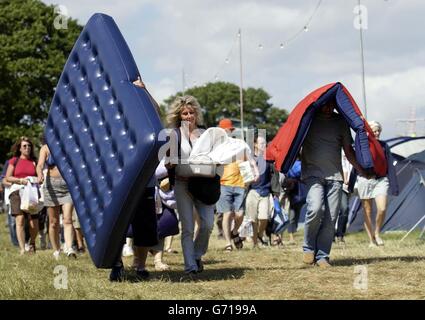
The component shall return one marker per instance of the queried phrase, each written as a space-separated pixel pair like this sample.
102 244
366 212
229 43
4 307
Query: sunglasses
26 146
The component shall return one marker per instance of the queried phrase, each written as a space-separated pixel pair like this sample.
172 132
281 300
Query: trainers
117 272
142 274
323 263
308 257
228 248
56 255
71 254
127 251
81 250
379 241
31 249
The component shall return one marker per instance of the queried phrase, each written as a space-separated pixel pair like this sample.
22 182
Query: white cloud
165 88
393 97
167 36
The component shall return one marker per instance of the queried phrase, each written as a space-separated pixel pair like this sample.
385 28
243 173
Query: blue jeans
343 215
11 222
193 249
294 216
323 202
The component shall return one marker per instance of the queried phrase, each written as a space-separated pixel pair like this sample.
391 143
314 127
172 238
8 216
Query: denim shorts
231 199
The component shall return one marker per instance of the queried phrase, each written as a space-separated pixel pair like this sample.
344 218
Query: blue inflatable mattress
102 133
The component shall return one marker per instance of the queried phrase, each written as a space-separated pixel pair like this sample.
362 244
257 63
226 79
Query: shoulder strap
172 172
179 142
14 165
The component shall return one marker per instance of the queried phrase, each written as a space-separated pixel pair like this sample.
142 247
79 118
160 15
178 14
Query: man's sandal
238 242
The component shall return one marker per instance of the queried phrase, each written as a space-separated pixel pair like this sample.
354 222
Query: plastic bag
246 172
30 199
279 220
246 230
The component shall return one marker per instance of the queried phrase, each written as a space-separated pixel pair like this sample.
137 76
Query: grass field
396 271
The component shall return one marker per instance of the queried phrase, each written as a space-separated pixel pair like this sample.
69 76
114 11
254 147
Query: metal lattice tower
411 124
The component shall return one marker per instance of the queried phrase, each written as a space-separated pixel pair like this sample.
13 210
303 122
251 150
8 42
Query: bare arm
41 161
5 183
11 179
139 83
351 157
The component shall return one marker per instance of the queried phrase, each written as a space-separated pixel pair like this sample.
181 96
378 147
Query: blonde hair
375 124
173 115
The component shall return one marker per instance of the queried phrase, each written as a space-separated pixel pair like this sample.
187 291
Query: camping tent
406 209
409 207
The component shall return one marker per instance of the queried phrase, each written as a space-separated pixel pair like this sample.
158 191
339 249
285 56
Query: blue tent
409 207
405 210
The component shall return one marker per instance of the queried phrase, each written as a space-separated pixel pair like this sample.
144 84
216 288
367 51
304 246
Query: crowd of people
57 219
318 180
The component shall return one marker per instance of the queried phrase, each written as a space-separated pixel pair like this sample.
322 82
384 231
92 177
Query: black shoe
200 265
117 272
192 272
142 274
237 241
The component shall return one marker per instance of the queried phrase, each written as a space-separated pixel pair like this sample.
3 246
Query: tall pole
183 82
362 59
241 84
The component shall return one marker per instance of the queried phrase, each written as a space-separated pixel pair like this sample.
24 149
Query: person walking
322 174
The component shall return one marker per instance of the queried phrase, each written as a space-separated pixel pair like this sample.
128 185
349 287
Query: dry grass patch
396 271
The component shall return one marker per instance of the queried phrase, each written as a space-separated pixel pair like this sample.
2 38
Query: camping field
396 271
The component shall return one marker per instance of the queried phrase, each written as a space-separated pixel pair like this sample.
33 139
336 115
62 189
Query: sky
171 38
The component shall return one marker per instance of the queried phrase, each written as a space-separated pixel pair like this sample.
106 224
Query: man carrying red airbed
322 173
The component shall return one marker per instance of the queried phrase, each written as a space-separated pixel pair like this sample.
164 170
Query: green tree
32 55
221 100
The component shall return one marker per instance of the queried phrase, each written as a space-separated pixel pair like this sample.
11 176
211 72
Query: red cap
226 124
